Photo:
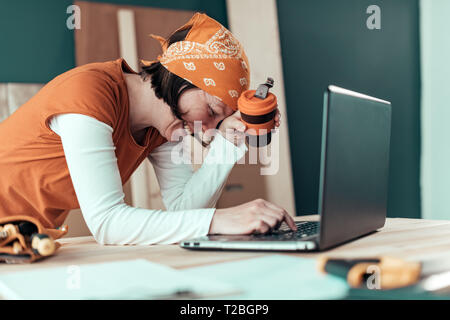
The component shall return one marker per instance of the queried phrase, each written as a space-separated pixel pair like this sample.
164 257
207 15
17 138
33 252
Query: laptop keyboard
304 229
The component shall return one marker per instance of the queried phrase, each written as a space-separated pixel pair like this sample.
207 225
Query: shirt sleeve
181 187
83 93
92 163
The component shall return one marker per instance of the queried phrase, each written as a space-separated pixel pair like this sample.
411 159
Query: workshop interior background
306 45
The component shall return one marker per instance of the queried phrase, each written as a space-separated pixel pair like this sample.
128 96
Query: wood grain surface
405 238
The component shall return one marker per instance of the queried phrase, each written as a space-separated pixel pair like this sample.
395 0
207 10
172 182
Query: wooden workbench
406 238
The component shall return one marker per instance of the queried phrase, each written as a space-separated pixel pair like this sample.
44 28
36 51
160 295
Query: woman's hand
233 128
257 216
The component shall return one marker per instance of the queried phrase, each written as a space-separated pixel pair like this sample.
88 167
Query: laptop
354 171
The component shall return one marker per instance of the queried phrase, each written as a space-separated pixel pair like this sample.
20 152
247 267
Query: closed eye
211 112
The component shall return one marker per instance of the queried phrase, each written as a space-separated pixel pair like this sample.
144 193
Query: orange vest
34 177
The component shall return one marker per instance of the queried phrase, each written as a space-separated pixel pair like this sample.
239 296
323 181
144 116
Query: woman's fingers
257 216
277 115
233 122
290 221
237 115
268 221
232 128
286 217
271 215
260 226
277 118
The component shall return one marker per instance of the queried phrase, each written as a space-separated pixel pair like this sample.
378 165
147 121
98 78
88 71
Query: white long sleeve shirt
188 196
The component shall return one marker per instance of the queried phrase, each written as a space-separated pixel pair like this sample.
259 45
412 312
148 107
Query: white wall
435 113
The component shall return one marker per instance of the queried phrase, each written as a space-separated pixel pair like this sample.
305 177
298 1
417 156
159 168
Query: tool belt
24 239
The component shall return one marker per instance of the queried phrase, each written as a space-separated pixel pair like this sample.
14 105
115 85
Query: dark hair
167 85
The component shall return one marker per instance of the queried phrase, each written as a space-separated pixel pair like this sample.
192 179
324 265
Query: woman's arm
92 163
184 189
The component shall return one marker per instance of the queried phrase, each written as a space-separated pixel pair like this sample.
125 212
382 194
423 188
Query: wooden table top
406 238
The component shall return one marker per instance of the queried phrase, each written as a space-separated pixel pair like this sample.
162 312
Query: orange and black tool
393 272
258 109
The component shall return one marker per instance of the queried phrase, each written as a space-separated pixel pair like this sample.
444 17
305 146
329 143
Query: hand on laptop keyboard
257 216
304 229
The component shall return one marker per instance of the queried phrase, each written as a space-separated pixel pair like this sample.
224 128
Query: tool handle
43 244
8 230
17 247
391 272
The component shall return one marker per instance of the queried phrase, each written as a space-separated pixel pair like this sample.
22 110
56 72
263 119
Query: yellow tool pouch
24 239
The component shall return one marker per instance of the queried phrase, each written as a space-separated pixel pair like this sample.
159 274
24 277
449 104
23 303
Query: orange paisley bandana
210 58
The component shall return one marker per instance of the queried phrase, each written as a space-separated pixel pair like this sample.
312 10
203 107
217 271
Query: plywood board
253 22
19 93
98 40
4 110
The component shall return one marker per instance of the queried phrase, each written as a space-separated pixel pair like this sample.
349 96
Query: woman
78 140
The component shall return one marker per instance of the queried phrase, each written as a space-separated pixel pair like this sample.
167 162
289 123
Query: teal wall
327 42
36 45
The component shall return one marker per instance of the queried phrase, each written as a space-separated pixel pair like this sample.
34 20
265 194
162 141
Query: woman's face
197 105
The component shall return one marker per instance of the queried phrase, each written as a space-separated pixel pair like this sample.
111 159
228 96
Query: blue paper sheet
274 277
